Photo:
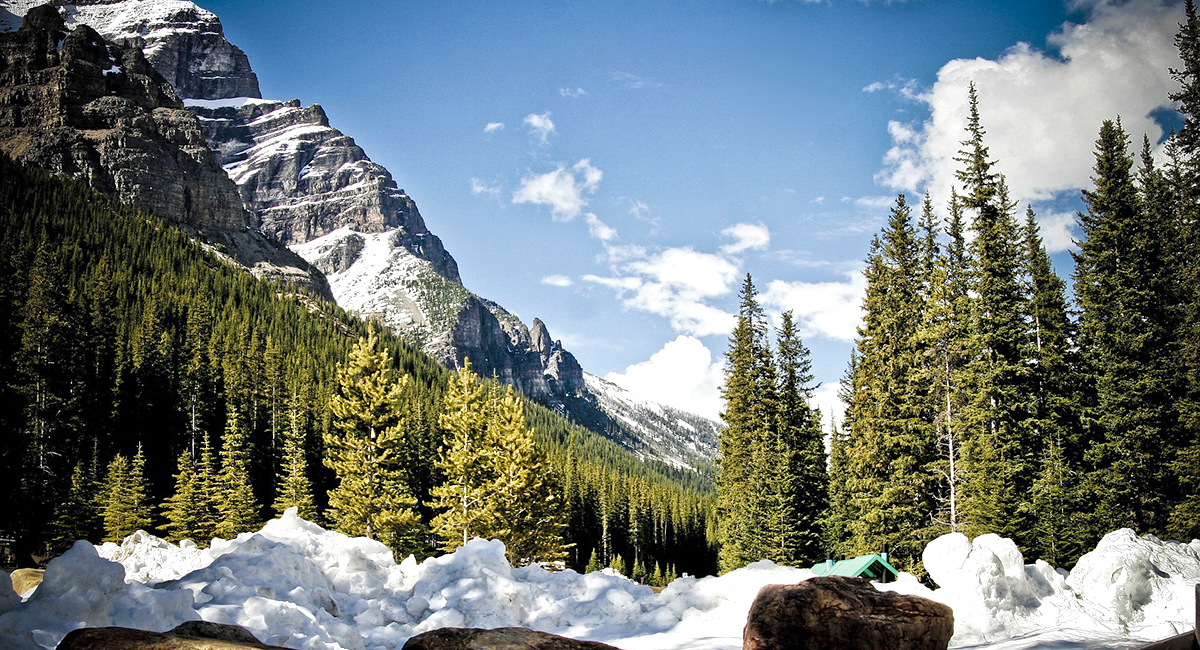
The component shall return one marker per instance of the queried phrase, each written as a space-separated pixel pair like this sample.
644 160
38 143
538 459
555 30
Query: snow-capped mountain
314 189
658 426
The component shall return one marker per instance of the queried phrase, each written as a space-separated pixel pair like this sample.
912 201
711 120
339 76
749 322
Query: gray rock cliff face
184 43
304 179
75 104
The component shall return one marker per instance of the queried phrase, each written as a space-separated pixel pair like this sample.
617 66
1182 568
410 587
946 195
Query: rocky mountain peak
185 43
79 105
540 336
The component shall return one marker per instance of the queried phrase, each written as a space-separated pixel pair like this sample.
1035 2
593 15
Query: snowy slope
371 275
297 585
677 437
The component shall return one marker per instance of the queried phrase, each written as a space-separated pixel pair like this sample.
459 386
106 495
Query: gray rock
184 43
503 638
304 179
845 613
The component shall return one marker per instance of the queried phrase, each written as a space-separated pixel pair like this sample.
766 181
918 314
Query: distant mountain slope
311 187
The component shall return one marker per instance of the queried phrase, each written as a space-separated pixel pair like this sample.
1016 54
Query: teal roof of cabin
866 566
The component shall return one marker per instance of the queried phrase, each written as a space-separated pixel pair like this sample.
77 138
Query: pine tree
371 498
527 506
997 468
77 517
294 487
890 445
1127 336
593 563
945 347
1053 407
237 508
126 510
184 509
208 486
617 564
804 485
745 459
466 463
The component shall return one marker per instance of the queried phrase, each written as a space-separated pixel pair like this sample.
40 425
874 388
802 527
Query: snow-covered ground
298 585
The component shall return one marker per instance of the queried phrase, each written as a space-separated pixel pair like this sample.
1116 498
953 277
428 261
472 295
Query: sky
617 168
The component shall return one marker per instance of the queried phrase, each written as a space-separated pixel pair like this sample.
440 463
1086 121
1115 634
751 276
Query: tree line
980 397
151 384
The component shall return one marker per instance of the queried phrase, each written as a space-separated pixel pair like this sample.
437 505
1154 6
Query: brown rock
844 613
25 579
193 635
503 638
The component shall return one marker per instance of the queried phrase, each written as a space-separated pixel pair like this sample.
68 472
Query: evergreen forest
983 395
150 384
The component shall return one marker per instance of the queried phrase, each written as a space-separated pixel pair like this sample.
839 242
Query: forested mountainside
310 186
122 336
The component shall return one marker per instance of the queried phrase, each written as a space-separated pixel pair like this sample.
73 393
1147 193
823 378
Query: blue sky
615 168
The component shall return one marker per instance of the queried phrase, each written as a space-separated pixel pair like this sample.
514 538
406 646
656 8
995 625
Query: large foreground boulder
844 613
193 635
503 638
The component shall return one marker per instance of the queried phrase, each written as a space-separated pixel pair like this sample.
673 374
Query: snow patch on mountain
676 437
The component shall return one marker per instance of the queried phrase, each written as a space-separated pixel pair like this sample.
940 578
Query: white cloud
870 202
820 200
906 88
1057 231
563 190
541 125
492 127
479 187
631 81
600 230
674 283
746 236
829 309
832 409
1042 112
682 374
572 92
557 281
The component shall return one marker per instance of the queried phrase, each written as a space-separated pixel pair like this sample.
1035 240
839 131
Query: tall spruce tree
184 509
804 482
890 446
526 499
944 342
126 508
466 463
237 509
998 469
371 498
1127 335
294 488
748 417
1053 398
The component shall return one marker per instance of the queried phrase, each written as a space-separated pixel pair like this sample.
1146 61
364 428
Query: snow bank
295 584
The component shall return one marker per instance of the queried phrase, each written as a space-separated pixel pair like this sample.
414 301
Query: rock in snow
297 585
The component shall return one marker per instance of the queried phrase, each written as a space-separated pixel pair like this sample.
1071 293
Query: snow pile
298 585
1129 586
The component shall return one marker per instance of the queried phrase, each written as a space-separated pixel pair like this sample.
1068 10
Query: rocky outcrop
847 613
75 104
184 43
193 635
503 638
304 179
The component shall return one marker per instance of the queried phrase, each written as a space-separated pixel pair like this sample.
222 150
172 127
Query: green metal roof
870 566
